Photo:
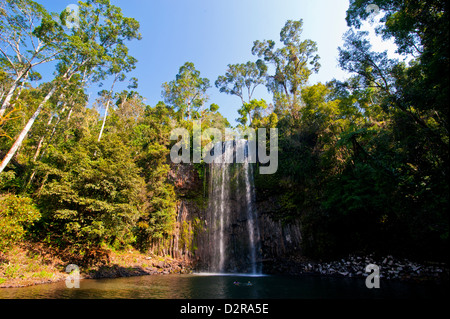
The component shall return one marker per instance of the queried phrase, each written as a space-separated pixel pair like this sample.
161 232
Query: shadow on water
220 286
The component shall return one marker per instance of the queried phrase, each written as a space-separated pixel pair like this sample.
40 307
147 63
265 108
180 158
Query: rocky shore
355 266
33 264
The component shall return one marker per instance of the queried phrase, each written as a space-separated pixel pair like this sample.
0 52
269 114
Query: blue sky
213 33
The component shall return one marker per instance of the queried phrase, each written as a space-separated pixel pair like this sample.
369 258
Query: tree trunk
104 120
11 91
41 141
189 111
8 97
106 109
25 131
25 77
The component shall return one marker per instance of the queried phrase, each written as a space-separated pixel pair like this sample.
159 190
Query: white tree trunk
25 131
8 98
11 91
104 120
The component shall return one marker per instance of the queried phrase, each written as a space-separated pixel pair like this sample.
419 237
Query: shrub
16 213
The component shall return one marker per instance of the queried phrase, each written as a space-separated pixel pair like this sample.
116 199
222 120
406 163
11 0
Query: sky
215 33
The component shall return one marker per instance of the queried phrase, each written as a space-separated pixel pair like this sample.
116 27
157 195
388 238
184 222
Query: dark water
221 286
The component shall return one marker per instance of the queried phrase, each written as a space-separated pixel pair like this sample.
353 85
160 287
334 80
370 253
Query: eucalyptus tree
28 38
120 63
101 33
187 93
241 80
294 62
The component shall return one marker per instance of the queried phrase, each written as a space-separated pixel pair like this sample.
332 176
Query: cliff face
190 210
280 242
193 239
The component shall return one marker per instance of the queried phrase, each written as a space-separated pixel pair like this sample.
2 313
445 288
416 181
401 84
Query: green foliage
158 215
6 179
16 215
91 199
294 62
187 93
240 77
251 111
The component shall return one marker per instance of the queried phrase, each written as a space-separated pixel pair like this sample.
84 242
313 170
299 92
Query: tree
239 77
422 29
120 63
212 118
393 137
102 31
25 24
128 113
187 93
249 110
293 63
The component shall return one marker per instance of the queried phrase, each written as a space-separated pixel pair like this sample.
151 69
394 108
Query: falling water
252 223
219 208
233 233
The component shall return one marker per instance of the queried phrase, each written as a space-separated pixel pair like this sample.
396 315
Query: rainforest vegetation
363 163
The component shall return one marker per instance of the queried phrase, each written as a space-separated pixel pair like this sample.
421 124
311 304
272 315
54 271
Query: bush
15 213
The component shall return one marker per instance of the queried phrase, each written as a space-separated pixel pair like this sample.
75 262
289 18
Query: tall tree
28 37
187 93
102 30
293 63
241 80
120 63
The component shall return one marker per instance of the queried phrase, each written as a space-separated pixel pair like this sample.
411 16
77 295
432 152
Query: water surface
220 286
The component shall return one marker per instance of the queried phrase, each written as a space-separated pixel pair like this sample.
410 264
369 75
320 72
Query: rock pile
390 268
355 266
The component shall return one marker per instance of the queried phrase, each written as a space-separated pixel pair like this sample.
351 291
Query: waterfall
252 222
232 241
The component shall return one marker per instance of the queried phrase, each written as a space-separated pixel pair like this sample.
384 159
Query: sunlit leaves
187 93
293 64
